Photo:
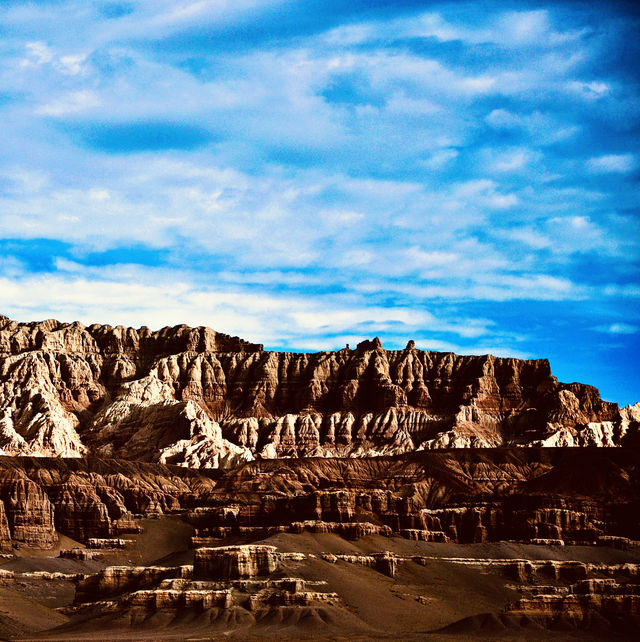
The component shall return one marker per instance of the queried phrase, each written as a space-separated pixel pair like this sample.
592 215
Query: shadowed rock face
546 495
5 533
246 581
195 397
234 562
87 500
551 496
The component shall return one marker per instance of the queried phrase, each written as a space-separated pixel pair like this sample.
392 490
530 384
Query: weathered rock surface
571 496
29 512
244 580
195 397
5 533
235 579
88 500
117 580
234 562
562 596
551 496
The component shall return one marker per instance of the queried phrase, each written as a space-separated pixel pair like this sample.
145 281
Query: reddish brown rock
549 495
195 397
5 533
29 513
234 562
116 580
86 499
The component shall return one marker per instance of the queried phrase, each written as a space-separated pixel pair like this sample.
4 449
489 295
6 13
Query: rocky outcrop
231 580
62 385
234 562
29 512
546 496
198 398
5 533
609 599
549 496
117 580
88 500
594 599
242 585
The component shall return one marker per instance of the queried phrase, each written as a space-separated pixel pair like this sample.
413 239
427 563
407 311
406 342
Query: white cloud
612 164
25 181
333 168
524 27
529 236
516 29
441 158
132 296
589 91
71 103
620 328
508 160
542 128
41 54
564 236
503 119
38 53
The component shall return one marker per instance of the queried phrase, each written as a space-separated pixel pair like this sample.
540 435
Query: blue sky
309 174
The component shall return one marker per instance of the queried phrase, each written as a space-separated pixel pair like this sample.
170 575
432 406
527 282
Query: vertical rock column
29 513
5 534
234 562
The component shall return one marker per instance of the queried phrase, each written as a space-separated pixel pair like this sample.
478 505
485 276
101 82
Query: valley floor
432 591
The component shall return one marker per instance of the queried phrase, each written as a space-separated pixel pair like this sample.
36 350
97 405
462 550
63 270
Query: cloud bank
311 174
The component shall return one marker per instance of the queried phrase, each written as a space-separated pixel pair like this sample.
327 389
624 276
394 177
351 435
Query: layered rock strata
92 501
195 397
5 533
553 594
234 562
545 495
235 579
548 496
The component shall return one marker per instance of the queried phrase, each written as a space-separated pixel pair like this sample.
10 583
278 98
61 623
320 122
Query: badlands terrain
185 484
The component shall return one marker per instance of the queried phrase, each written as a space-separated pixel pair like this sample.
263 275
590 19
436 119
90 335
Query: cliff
198 398
465 495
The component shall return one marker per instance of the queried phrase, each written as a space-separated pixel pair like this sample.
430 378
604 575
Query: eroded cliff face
198 398
92 501
554 496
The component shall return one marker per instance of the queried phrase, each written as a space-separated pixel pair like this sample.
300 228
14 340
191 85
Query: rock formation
234 562
198 398
242 587
396 460
5 533
546 496
222 584
90 501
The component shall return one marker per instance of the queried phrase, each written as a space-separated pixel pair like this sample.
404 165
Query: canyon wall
539 495
198 398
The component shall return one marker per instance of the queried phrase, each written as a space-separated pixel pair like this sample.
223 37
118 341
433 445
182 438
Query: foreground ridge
199 398
536 495
459 542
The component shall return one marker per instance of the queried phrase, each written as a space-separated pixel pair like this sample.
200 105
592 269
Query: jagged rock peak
196 397
373 344
75 337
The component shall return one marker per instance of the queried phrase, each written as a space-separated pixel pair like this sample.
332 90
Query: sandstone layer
547 496
244 587
198 398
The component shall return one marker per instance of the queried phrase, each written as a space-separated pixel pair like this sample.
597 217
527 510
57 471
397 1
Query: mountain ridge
197 397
